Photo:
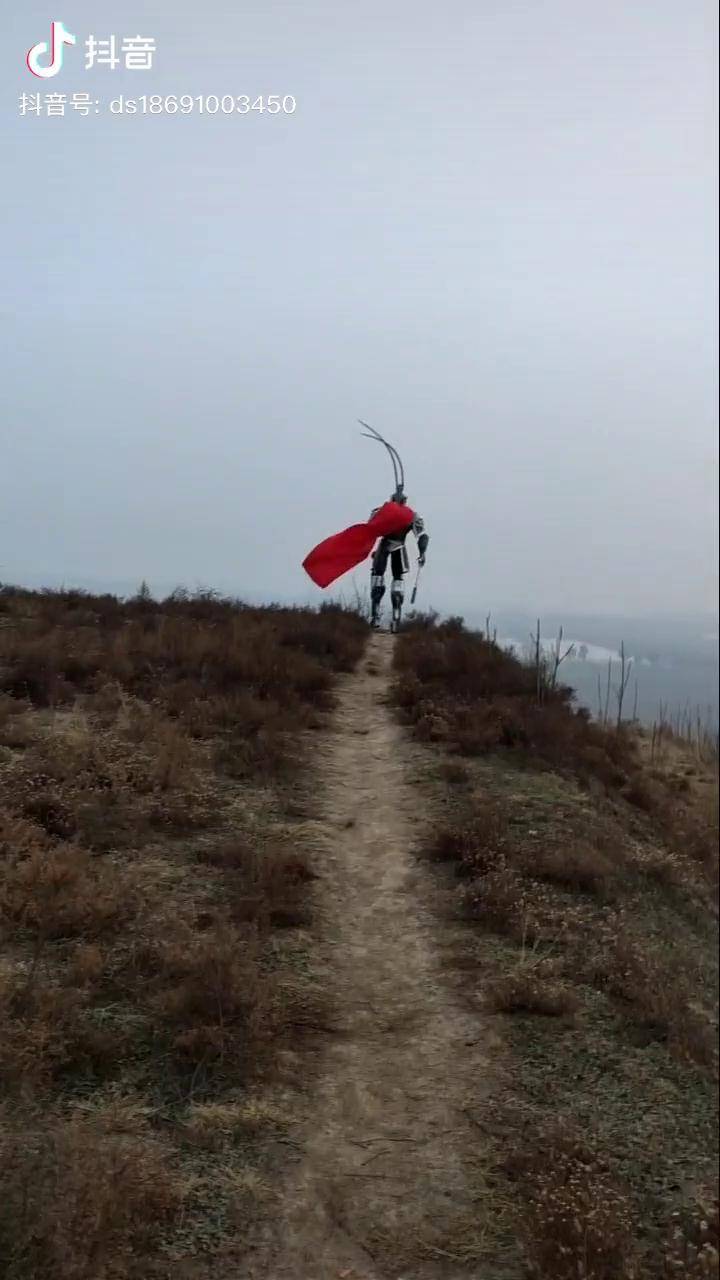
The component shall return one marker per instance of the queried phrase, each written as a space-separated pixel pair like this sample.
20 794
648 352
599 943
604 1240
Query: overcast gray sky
489 229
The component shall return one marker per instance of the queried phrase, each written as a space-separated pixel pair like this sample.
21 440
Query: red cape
332 558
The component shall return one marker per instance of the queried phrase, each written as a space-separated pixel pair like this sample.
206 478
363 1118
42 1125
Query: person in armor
392 548
382 537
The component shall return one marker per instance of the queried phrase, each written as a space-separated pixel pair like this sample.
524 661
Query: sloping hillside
149 879
328 955
586 873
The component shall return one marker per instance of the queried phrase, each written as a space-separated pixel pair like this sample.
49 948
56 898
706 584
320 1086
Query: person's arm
422 538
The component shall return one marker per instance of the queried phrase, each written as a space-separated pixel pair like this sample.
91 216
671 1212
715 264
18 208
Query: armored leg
397 589
377 582
377 591
397 595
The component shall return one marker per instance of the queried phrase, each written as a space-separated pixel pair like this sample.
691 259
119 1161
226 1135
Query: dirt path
390 1183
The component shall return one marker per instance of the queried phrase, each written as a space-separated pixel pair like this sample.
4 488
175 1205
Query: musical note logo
59 37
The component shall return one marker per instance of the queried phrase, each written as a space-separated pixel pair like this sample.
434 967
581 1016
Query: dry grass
84 1197
578 1221
660 995
52 892
693 1247
571 897
584 869
454 773
216 1124
462 692
50 1037
457 688
207 993
145 749
266 880
531 989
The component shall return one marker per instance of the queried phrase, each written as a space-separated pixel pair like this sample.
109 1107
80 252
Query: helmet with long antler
398 470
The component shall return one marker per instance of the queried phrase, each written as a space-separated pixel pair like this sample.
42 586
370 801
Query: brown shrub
47 1034
16 726
265 882
459 688
104 786
454 773
660 997
51 813
210 994
264 753
577 865
486 726
241 711
577 1220
692 831
18 837
477 843
529 990
107 821
82 1199
643 793
86 965
64 893
179 812
334 636
461 663
692 1251
485 852
55 646
47 669
497 900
